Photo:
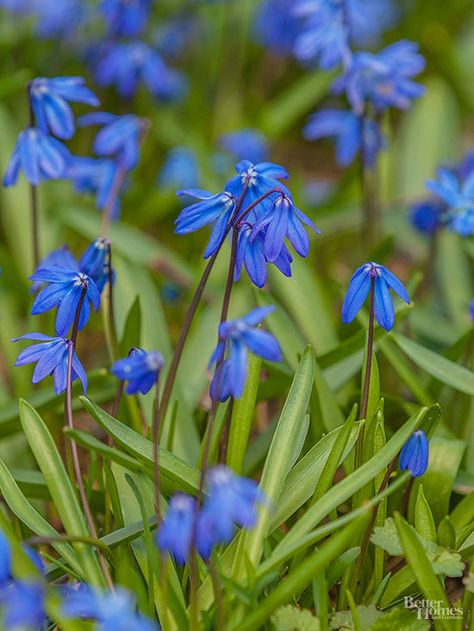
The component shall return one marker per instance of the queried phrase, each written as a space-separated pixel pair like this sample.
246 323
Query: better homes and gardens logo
432 609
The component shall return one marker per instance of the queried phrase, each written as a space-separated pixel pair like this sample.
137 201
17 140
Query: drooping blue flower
119 137
360 286
100 177
330 28
23 606
459 198
283 220
125 18
55 19
113 611
414 454
245 144
212 209
256 180
140 369
251 255
277 26
428 216
236 338
180 170
353 134
52 359
64 290
41 157
50 102
231 501
383 79
5 559
175 533
60 257
95 262
126 65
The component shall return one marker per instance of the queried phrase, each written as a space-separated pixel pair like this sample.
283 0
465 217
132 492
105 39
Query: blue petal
356 295
394 283
257 315
263 344
383 305
237 368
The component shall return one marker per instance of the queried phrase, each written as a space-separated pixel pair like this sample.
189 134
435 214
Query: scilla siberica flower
428 216
383 79
414 454
236 338
53 19
22 604
253 180
176 530
41 157
180 170
277 26
113 611
459 198
95 262
51 358
50 102
360 286
119 137
127 65
5 559
64 290
353 134
98 176
60 257
140 369
211 209
125 18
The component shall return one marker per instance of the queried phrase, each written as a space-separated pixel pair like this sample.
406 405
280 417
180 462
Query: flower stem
193 591
367 374
220 612
196 299
73 446
368 530
34 225
109 311
156 441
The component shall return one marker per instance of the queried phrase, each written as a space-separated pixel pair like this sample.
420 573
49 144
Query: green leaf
282 453
242 416
291 618
28 515
131 333
178 474
450 373
401 619
328 408
420 565
301 576
446 534
343 620
62 493
424 522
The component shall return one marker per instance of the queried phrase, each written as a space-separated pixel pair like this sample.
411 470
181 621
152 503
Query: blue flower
414 454
41 157
61 257
383 79
5 559
459 198
140 369
180 170
23 606
55 19
251 254
255 180
212 209
428 216
277 26
248 144
113 611
52 357
174 35
95 262
231 501
119 137
126 18
50 102
359 289
126 65
353 134
64 290
99 177
175 533
283 221
236 338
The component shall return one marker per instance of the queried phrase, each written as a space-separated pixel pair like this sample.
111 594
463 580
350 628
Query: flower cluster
73 287
261 209
230 501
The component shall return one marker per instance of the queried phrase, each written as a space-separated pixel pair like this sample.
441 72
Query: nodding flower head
95 262
415 453
382 280
140 369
